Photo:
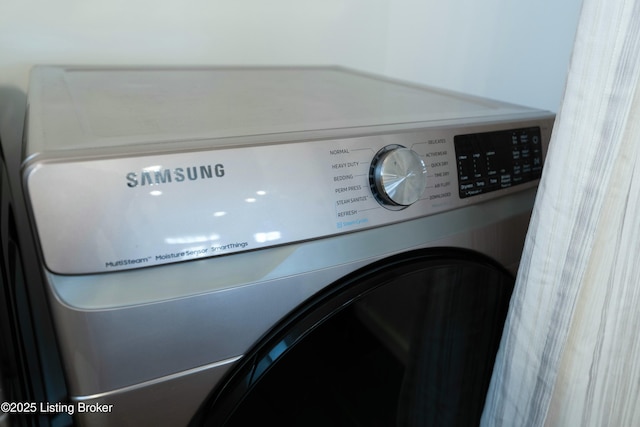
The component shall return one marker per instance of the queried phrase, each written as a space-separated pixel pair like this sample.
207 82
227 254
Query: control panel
490 161
171 207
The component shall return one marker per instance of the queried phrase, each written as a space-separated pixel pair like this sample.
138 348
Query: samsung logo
159 176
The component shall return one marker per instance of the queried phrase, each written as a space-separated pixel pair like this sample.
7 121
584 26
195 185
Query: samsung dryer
297 244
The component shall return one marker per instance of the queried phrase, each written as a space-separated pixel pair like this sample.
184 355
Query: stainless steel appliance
178 241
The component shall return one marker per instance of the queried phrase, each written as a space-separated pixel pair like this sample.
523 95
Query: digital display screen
494 160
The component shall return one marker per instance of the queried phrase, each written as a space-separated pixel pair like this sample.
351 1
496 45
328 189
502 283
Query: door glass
412 344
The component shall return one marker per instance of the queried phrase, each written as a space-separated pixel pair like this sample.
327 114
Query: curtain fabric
570 352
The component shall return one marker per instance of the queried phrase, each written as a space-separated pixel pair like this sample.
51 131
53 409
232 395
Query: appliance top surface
86 108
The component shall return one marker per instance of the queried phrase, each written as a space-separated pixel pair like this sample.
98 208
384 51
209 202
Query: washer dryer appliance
300 245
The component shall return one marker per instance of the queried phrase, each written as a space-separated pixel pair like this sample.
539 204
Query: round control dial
398 177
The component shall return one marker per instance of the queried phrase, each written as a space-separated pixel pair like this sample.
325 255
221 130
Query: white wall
512 50
504 49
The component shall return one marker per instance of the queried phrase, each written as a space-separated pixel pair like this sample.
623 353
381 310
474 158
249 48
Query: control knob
398 177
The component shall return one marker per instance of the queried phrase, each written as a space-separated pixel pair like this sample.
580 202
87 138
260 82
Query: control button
481 184
537 163
398 177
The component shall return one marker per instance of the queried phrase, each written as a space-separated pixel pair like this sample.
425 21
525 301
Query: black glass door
409 341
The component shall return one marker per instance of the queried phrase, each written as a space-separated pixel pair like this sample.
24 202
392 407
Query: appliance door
408 341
